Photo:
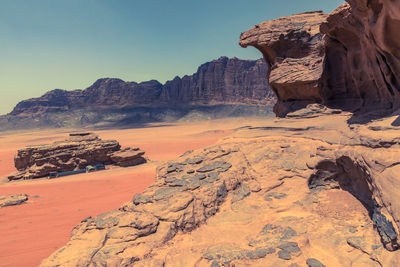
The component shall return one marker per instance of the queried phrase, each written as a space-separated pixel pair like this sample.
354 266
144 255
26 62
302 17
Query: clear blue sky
68 44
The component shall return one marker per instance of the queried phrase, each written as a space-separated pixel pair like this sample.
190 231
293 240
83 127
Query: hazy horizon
70 44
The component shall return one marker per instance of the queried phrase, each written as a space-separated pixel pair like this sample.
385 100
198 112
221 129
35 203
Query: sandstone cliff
220 81
223 80
349 58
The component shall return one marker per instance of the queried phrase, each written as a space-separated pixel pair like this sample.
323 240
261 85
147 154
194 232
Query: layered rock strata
74 153
348 58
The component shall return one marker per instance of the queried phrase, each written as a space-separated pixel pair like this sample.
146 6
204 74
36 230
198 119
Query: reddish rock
225 80
12 200
74 153
349 58
128 157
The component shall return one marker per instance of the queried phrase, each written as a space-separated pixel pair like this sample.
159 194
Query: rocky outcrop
293 47
300 191
12 200
185 194
346 59
220 81
75 153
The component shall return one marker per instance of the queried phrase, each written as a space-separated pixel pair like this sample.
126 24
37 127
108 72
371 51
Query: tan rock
12 200
252 200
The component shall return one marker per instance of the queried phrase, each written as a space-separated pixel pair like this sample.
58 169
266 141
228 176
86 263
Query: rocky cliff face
349 58
223 80
220 81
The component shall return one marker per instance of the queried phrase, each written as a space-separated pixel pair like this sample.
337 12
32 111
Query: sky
69 44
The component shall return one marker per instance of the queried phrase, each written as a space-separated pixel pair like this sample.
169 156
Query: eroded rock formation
185 194
310 189
348 59
295 191
74 153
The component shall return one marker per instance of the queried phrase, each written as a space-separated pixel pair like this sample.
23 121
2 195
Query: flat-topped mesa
75 153
348 59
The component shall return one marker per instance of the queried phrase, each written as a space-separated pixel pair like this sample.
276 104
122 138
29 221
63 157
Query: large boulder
128 157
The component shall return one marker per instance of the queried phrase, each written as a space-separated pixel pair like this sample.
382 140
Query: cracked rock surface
306 191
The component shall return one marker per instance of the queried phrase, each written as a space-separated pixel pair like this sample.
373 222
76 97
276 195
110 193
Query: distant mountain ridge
225 80
226 87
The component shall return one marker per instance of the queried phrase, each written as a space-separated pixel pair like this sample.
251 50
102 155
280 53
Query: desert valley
289 160
55 206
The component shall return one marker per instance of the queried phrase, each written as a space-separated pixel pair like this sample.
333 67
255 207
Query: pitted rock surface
177 202
250 200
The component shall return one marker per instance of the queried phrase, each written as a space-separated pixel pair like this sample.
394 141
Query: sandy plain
32 231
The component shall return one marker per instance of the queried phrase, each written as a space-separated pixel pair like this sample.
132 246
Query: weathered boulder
128 157
348 59
12 200
74 153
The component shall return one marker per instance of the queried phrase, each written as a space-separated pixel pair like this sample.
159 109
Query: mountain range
222 87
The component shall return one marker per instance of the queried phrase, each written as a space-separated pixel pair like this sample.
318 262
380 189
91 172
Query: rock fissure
345 174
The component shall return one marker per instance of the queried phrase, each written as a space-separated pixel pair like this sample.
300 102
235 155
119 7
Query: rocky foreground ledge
305 191
75 153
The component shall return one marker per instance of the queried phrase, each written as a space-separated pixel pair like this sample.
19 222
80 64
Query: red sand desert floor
32 231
